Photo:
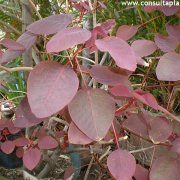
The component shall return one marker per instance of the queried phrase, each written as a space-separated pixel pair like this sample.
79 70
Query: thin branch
88 169
35 9
142 149
59 120
105 154
10 70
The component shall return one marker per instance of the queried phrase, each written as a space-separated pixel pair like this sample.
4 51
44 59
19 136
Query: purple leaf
67 38
47 142
143 48
26 40
31 158
59 84
168 68
141 173
165 168
118 49
159 135
11 44
146 98
173 31
176 145
136 123
121 164
24 116
50 25
126 32
165 43
8 147
76 136
22 141
104 75
92 110
121 90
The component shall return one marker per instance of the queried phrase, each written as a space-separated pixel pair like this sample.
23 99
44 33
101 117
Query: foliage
101 113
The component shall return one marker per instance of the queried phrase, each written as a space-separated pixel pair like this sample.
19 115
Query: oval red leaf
8 147
47 142
24 116
51 24
176 145
165 43
26 40
11 44
19 152
135 123
174 31
160 130
105 76
143 48
121 164
76 136
146 98
22 141
31 158
168 67
67 38
121 90
92 110
141 173
126 32
120 51
59 84
165 168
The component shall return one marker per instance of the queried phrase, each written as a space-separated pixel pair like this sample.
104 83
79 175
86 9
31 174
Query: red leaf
24 116
146 98
13 45
118 49
76 136
168 11
143 48
176 145
173 31
141 173
19 152
51 24
59 84
31 158
121 90
165 168
156 134
70 37
92 110
108 25
137 124
126 32
8 147
26 40
105 76
47 142
165 43
121 164
22 141
69 173
168 67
